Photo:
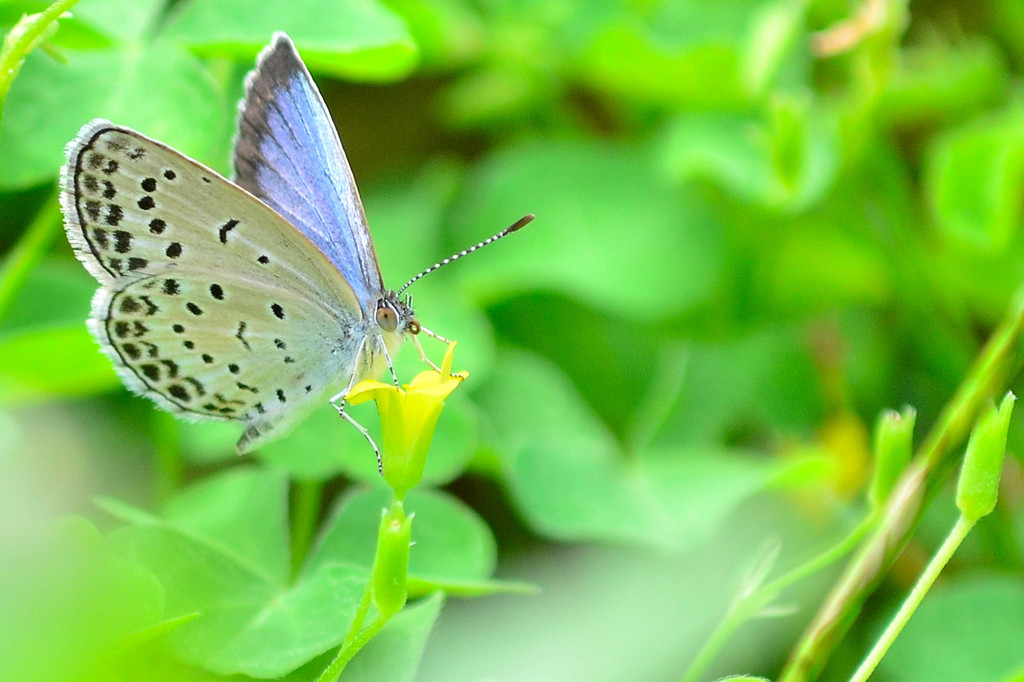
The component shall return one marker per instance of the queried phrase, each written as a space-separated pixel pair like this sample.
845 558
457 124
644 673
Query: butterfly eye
387 318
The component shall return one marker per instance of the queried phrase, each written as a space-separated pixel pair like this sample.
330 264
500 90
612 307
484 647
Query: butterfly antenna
522 222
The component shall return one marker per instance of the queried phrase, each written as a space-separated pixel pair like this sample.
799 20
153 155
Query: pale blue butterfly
249 300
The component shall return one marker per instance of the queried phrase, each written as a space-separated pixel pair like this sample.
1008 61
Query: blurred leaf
44 363
681 54
969 629
784 158
593 340
451 543
359 39
62 591
132 21
940 82
244 511
974 179
736 389
394 653
186 111
774 47
448 32
1007 21
54 293
817 265
323 446
572 481
609 230
223 559
490 98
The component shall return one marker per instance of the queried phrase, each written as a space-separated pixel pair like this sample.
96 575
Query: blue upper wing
288 154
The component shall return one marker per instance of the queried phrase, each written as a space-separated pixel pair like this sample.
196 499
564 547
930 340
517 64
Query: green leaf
775 46
609 230
701 66
56 292
448 32
570 479
159 89
63 591
938 82
42 363
784 157
760 380
243 510
125 21
451 543
974 178
969 629
359 39
222 552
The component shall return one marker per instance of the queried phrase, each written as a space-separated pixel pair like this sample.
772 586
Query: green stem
29 250
732 621
924 583
358 636
745 609
826 558
351 648
933 461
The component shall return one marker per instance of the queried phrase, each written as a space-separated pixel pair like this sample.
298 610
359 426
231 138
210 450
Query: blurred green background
759 223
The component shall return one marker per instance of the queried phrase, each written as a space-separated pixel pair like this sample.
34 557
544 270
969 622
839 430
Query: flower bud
978 487
894 444
391 565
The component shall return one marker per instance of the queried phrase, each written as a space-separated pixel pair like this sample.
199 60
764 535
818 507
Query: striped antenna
522 222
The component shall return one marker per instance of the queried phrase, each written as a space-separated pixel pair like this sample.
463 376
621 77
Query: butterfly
247 300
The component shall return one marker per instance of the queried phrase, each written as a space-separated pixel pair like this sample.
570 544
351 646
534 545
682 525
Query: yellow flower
408 417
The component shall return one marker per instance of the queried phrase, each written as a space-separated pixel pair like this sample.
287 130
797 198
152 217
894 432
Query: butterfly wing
211 304
288 154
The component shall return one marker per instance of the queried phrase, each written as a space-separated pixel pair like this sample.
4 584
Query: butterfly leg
387 358
338 403
423 354
340 407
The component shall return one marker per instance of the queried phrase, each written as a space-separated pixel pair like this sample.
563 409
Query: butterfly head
395 315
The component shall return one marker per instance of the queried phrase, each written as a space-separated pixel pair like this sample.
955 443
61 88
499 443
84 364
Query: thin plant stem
30 249
931 573
348 646
746 608
824 559
351 648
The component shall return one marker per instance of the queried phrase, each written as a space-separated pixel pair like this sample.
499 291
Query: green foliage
744 251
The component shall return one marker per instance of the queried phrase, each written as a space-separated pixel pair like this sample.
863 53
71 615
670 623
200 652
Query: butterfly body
248 300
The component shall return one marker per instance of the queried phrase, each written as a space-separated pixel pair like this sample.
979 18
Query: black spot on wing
222 233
